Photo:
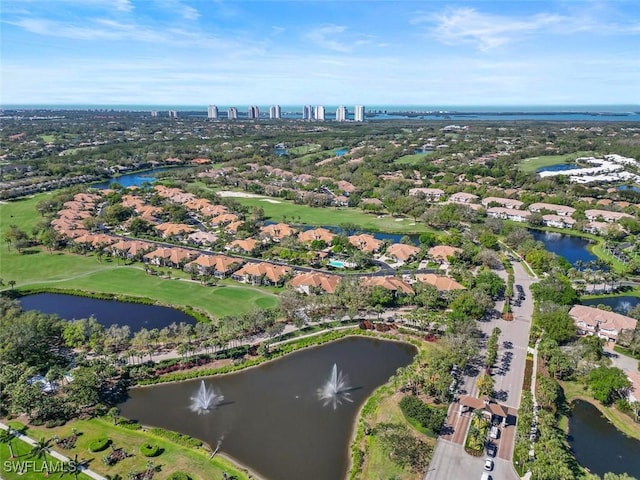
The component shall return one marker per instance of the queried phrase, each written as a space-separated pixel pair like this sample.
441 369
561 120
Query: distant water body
582 113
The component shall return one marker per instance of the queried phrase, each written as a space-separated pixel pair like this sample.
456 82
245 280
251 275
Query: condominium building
319 113
341 114
358 113
253 112
154 113
274 112
232 113
212 112
173 114
307 112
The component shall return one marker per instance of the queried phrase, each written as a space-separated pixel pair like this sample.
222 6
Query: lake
570 247
621 304
106 312
598 445
391 237
271 418
132 179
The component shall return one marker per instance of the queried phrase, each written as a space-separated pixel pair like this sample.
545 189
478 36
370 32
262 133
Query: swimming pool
336 264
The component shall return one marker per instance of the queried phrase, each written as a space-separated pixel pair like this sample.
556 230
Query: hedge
99 444
175 437
149 450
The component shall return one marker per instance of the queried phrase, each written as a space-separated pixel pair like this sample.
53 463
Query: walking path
52 453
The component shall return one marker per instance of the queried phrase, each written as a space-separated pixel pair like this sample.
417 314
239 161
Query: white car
485 476
488 464
494 432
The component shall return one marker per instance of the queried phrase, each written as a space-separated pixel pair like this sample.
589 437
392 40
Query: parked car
492 450
488 464
494 432
485 476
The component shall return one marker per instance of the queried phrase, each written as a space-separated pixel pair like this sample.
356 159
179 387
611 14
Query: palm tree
40 450
114 413
7 437
73 466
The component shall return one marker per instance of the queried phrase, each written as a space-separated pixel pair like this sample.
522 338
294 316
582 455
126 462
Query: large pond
598 445
107 312
570 247
134 179
271 418
621 304
391 237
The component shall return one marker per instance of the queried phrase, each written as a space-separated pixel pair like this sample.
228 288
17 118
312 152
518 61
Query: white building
212 112
358 113
341 114
274 112
253 113
320 113
307 112
232 113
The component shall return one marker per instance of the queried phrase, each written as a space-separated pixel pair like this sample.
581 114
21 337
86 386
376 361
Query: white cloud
468 26
326 37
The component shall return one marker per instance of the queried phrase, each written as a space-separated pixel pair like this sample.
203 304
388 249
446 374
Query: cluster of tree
428 417
492 347
402 447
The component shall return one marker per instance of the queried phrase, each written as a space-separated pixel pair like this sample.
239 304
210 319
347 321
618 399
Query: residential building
395 284
558 221
561 210
441 253
341 114
442 284
232 113
503 202
428 193
253 113
365 242
315 282
320 113
317 234
307 112
604 324
212 112
173 114
606 215
275 112
358 113
463 198
276 232
154 113
262 274
508 213
402 252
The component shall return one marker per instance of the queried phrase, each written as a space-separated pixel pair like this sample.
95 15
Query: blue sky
375 52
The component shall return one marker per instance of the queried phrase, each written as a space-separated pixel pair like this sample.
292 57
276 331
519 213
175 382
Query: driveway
450 461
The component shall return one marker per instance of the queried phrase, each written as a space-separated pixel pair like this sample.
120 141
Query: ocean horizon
533 109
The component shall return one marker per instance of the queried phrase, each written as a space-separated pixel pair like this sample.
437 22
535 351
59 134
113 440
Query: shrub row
428 417
99 444
178 438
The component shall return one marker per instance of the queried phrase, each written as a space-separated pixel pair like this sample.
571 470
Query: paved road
450 461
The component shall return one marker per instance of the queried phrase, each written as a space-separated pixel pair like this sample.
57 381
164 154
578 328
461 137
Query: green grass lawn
531 164
173 458
304 149
48 138
415 159
20 468
330 216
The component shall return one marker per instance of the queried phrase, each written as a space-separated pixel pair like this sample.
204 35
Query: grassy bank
173 458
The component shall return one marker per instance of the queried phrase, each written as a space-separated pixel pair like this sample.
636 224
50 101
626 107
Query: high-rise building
358 113
319 113
173 114
307 112
341 114
253 112
154 113
232 113
274 112
212 112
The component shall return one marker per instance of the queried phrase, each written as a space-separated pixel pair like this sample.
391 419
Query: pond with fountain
288 419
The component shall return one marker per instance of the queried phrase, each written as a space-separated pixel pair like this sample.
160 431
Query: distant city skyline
403 52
